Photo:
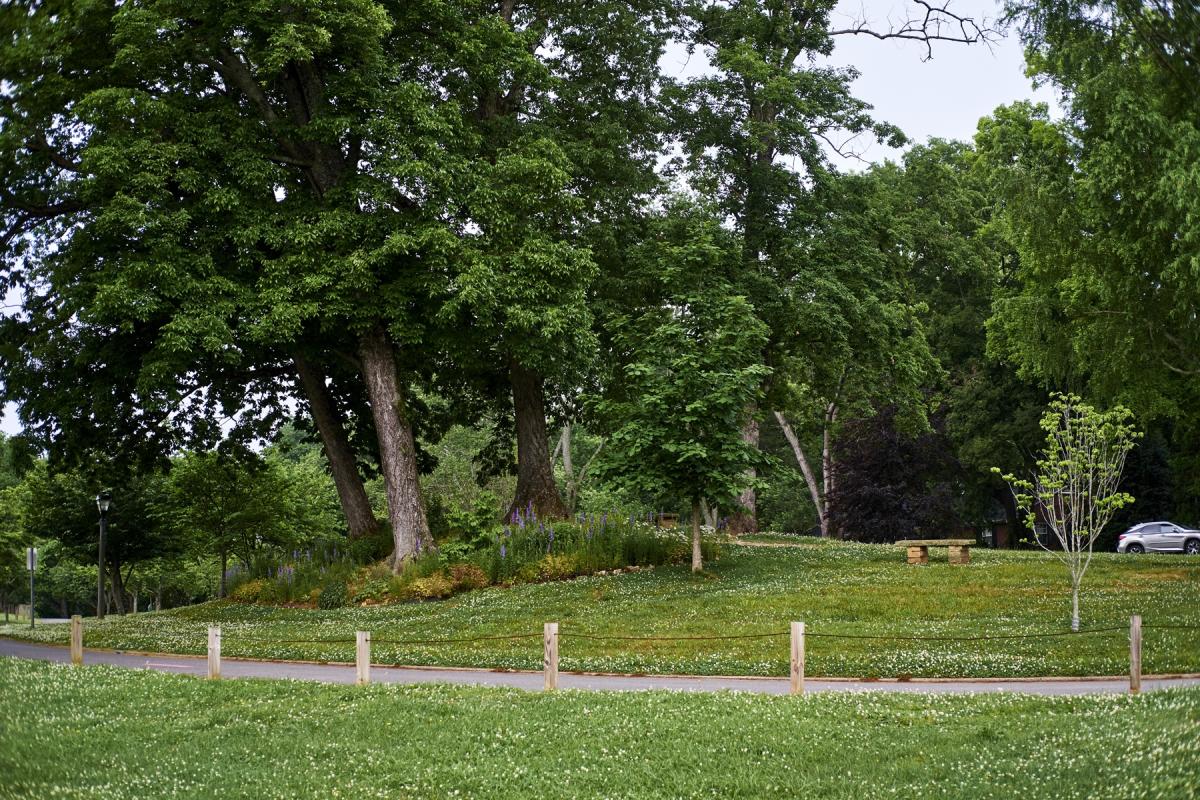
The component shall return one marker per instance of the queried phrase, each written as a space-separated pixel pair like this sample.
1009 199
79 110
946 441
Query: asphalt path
345 673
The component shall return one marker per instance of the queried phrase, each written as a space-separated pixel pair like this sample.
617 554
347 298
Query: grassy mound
843 589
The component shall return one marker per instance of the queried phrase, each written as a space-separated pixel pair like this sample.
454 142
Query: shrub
466 577
255 591
454 551
431 587
333 595
556 568
372 589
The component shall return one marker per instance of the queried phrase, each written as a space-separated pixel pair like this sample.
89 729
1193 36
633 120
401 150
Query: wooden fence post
797 658
214 652
550 656
362 657
1135 654
76 640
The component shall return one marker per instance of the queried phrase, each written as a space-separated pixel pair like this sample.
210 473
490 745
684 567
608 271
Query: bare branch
937 24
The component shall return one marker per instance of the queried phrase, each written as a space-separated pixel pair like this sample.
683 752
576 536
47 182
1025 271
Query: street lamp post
103 503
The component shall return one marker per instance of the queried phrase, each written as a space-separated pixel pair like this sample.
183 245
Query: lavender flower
503 551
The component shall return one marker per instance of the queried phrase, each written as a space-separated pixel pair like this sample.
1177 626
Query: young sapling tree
692 372
1074 490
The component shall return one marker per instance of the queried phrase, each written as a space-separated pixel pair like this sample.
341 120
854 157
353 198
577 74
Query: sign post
31 565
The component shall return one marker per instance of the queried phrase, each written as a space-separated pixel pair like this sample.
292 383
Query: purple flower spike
503 551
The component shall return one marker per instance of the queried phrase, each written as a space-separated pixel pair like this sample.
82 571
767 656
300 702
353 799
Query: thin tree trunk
1075 606
222 589
813 489
745 519
564 447
697 558
827 456
397 448
535 474
360 519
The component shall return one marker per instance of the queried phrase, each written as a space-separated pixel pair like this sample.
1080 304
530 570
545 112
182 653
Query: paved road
337 673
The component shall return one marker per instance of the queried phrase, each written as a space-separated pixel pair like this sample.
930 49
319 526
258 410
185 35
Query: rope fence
551 635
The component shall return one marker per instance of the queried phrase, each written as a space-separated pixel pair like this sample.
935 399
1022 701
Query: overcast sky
943 97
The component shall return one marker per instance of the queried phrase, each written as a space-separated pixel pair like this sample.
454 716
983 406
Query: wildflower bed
100 732
836 588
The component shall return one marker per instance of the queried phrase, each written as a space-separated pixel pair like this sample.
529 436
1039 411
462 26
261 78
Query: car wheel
1192 547
1135 548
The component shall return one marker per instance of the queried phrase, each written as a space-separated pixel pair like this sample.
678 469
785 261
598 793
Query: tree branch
39 144
937 24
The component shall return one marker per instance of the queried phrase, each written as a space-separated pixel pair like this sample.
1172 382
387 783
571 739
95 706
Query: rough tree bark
745 520
117 594
535 472
697 558
814 489
397 448
360 519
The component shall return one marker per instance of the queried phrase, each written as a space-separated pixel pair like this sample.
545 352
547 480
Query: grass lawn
836 588
102 732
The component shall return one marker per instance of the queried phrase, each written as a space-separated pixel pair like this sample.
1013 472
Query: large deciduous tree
234 178
562 100
757 135
1102 205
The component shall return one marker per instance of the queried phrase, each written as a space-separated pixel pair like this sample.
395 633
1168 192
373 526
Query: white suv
1159 537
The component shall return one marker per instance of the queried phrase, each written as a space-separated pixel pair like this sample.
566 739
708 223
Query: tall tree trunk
360 519
745 520
814 490
397 448
222 588
827 455
697 557
117 595
535 473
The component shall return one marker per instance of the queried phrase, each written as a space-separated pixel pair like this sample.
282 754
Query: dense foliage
339 274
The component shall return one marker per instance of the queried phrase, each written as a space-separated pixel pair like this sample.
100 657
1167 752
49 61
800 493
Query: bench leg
918 555
960 555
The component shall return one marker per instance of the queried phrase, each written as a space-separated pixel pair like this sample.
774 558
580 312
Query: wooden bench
918 549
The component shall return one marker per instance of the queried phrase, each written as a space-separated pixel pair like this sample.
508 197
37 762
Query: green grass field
101 732
845 589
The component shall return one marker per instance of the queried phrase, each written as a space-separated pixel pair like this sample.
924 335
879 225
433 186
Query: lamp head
104 501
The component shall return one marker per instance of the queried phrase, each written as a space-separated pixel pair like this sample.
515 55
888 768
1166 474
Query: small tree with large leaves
1074 490
691 370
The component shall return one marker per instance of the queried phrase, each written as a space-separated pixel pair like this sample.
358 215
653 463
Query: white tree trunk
814 490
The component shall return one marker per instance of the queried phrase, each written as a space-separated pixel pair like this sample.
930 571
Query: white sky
943 97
